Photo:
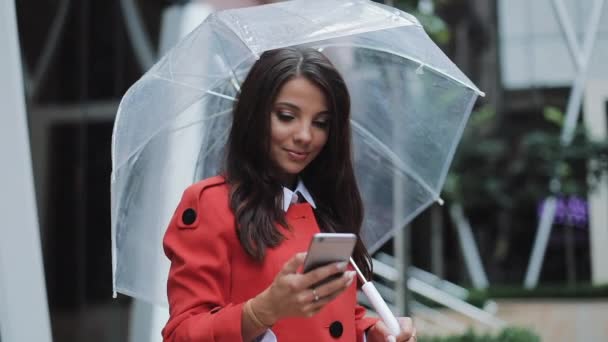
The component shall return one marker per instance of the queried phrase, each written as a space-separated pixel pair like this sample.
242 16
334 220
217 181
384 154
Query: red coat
211 276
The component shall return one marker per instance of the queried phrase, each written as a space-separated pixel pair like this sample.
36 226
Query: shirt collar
290 197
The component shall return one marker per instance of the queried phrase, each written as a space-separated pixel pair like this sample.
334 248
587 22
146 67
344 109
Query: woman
235 240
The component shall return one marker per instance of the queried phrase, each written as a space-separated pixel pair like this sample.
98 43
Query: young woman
236 240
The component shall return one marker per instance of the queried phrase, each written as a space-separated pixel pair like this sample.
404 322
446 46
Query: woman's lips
297 156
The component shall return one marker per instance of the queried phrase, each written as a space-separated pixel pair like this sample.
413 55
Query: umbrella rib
144 143
211 92
222 139
116 167
394 158
375 23
386 25
221 21
363 46
233 79
212 116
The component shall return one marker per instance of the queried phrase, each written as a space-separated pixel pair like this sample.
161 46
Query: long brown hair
256 191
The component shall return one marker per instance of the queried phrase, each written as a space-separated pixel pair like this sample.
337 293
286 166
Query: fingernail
391 338
350 275
342 265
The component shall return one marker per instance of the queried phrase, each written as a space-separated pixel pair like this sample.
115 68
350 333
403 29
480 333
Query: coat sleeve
362 323
197 244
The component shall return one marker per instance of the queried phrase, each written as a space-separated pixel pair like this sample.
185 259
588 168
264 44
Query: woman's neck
290 181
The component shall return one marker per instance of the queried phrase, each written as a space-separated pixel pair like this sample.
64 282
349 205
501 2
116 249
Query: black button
189 216
336 329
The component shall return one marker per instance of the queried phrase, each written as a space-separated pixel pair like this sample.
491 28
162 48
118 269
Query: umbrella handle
381 308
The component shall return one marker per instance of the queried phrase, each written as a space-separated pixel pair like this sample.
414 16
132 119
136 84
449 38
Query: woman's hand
291 294
380 333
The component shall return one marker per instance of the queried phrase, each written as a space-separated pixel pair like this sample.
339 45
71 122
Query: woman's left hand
380 333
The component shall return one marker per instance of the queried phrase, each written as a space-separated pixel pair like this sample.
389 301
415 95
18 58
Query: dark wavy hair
256 191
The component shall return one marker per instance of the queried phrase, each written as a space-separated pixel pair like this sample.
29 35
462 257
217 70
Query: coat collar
290 197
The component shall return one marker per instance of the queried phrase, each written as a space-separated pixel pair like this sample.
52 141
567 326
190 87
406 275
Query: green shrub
510 334
580 291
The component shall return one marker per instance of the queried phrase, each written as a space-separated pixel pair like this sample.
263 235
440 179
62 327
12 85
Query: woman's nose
303 134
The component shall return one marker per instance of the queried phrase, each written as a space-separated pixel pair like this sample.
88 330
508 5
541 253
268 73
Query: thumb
292 265
381 329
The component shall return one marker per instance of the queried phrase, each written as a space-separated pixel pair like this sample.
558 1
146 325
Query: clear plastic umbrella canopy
410 104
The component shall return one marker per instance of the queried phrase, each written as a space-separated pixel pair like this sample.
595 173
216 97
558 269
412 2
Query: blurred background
519 250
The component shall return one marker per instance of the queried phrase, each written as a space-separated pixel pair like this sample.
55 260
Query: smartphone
327 248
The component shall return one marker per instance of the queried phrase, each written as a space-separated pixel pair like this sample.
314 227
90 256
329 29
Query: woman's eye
284 116
322 124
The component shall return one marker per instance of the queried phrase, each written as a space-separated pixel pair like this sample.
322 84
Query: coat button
336 329
189 216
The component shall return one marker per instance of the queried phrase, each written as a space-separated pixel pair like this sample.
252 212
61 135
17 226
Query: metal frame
438 290
581 58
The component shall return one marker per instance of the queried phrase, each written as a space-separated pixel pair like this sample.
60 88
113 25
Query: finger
319 304
413 338
316 303
309 312
337 285
292 265
408 332
382 329
306 297
318 274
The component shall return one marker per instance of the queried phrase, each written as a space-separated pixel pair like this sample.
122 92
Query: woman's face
299 127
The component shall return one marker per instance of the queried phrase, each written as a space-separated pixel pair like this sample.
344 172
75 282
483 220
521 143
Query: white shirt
291 197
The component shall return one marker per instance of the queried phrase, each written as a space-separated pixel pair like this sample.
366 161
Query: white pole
596 122
576 93
142 46
24 314
540 243
568 32
470 252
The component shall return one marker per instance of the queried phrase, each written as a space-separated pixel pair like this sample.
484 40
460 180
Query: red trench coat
211 276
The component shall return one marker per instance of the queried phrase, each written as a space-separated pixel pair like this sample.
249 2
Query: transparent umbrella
410 104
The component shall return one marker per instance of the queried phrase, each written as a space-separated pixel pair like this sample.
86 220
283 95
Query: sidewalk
553 320
559 320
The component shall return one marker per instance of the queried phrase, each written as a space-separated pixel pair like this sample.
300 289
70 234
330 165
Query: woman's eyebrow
287 104
297 109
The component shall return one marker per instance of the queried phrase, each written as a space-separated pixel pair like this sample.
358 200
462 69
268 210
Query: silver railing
429 286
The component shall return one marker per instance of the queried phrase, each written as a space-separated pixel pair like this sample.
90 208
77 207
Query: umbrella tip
440 201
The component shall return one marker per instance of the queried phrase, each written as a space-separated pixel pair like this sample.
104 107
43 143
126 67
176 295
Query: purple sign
570 210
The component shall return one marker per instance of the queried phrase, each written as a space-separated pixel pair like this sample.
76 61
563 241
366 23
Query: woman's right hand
291 293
